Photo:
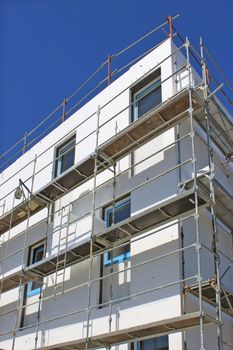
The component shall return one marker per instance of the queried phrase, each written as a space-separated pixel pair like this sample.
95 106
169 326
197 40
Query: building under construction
116 211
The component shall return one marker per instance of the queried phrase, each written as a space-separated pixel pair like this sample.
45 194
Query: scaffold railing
60 113
58 186
198 104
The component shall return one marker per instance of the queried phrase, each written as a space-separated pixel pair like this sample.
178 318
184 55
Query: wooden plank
209 294
126 229
152 124
157 328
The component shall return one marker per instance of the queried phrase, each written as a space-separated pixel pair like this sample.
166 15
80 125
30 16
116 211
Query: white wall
44 150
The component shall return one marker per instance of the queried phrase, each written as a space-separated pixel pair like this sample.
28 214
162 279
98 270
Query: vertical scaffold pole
59 263
212 200
92 228
109 69
38 315
169 19
66 247
111 259
23 264
63 117
181 231
3 266
194 166
180 225
25 142
42 284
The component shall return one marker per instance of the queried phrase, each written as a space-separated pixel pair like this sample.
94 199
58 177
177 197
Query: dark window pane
119 251
160 343
37 255
148 344
35 285
65 157
121 212
66 147
67 160
149 101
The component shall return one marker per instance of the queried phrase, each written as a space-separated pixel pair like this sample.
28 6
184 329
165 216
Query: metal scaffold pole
62 262
111 259
23 264
38 315
196 217
212 201
181 231
93 210
7 247
41 296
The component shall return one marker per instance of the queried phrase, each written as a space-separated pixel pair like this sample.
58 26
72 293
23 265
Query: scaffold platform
223 199
157 328
221 123
158 214
155 122
161 118
209 294
161 213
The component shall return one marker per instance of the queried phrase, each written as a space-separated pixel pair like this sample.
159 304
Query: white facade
143 292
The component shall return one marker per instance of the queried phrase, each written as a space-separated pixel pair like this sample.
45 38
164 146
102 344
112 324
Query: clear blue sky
49 47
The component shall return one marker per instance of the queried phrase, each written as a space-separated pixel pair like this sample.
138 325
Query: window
118 286
160 343
146 95
36 253
120 211
117 255
65 156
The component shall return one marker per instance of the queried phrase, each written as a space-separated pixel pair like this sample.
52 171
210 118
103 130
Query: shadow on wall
78 234
148 275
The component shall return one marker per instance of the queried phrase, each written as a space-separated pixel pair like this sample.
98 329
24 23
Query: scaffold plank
224 200
12 280
209 295
20 213
155 329
158 214
161 118
155 122
221 123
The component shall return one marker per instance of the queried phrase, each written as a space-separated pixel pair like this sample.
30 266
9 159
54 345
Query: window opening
122 211
65 155
36 255
146 95
160 343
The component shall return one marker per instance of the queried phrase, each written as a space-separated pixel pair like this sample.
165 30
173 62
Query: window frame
106 212
120 203
154 78
58 157
30 291
138 345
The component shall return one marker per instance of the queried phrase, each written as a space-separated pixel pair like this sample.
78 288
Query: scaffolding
196 105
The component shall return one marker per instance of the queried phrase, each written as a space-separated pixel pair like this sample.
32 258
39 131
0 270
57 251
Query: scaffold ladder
59 278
